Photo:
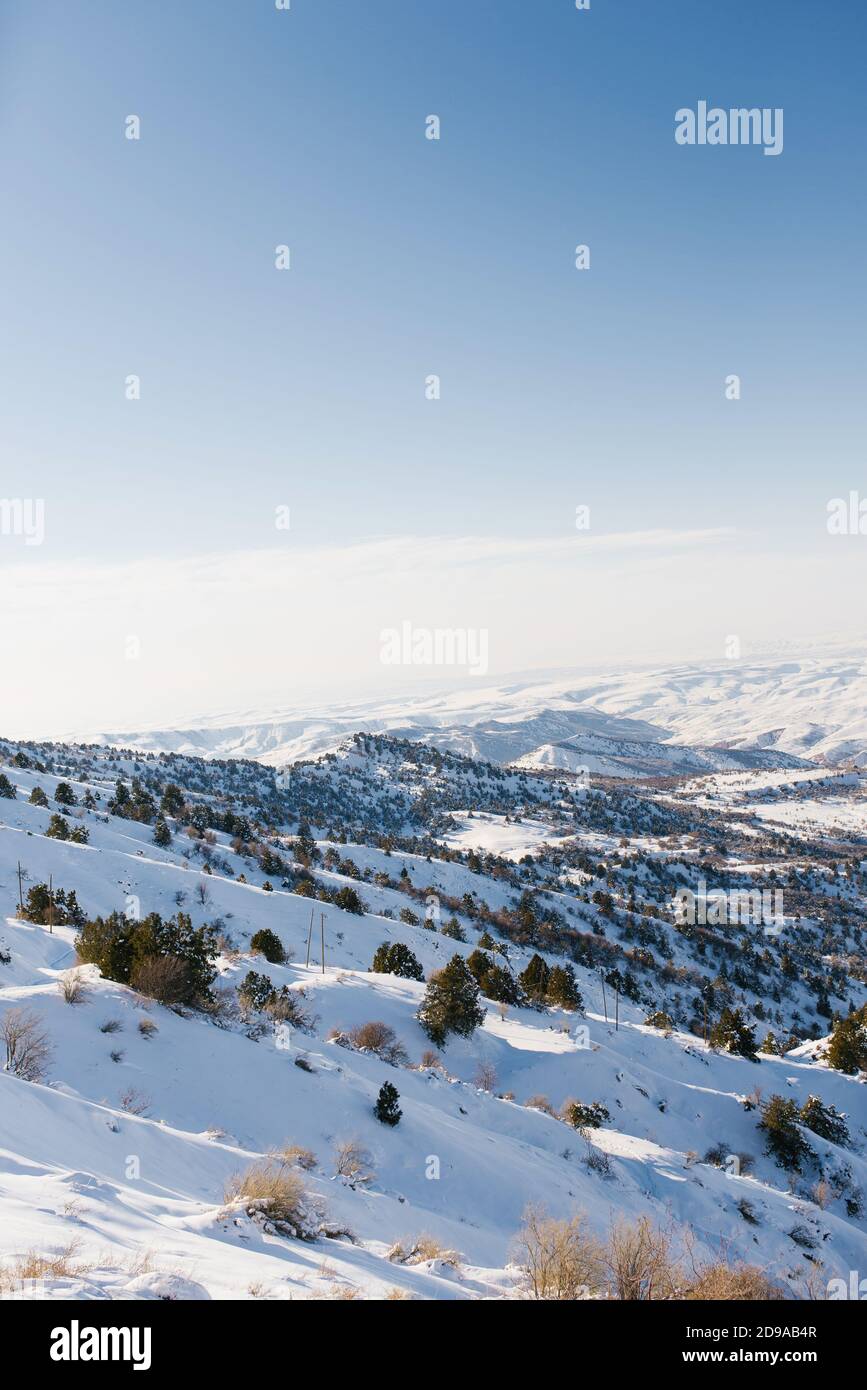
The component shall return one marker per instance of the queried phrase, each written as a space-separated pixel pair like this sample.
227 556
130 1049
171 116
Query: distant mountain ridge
688 718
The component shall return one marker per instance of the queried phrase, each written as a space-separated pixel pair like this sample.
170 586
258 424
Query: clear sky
305 388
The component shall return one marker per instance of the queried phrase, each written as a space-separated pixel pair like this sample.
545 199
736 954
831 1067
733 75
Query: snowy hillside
117 1157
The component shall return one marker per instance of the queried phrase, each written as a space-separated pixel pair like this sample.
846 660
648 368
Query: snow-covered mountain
747 713
118 1155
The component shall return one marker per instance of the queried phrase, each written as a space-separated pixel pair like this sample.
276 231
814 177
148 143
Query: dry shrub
379 1038
111 1025
33 1265
72 987
297 1154
134 1102
427 1247
541 1103
639 1262
164 978
560 1259
430 1059
740 1282
396 1295
275 1189
28 1047
352 1160
147 1027
486 1077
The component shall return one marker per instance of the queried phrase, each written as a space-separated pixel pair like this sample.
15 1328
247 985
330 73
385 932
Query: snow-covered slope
121 1155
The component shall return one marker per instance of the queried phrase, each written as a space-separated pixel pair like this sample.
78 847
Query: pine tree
162 834
562 989
847 1050
387 1110
268 944
38 797
732 1033
64 795
397 959
824 1120
534 980
451 1003
6 788
785 1142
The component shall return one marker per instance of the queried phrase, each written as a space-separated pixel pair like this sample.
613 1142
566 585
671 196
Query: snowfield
119 1159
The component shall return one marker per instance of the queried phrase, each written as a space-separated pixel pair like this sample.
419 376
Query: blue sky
409 257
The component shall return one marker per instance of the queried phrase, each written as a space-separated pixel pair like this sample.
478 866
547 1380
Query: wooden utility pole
604 1004
310 935
20 892
704 1001
616 1009
322 929
51 904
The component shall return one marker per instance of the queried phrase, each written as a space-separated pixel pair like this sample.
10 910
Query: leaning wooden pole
310 934
51 904
20 892
322 929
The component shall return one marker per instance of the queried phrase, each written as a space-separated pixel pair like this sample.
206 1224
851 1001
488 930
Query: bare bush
352 1160
28 1047
486 1077
420 1249
738 1282
275 1189
164 978
33 1265
147 1027
111 1025
639 1262
297 1154
134 1102
380 1039
560 1259
71 986
541 1103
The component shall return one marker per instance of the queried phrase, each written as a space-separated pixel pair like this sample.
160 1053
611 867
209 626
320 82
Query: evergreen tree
387 1110
784 1139
271 863
172 800
64 795
6 788
38 797
534 981
451 1003
348 900
591 1116
396 959
268 944
847 1049
119 944
824 1120
162 834
58 828
562 990
733 1034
